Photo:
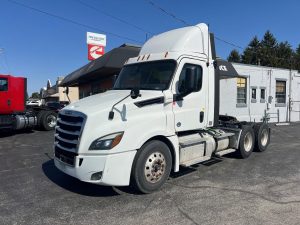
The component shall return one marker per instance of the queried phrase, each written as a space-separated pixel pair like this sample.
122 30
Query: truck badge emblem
223 68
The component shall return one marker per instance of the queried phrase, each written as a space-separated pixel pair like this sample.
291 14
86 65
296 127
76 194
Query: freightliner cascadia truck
161 115
13 112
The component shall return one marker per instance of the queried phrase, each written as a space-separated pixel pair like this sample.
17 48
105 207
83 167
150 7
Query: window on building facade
241 90
263 94
280 92
253 93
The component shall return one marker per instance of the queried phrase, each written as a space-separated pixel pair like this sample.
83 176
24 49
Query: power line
166 12
113 17
71 21
216 37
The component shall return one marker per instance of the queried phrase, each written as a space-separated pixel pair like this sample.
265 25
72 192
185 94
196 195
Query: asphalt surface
263 189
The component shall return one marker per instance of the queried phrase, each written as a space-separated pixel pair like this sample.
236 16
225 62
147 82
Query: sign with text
95 51
96 39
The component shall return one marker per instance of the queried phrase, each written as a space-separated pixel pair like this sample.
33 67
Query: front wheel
151 167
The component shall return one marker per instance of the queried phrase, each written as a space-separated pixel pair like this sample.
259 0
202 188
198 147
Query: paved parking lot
263 189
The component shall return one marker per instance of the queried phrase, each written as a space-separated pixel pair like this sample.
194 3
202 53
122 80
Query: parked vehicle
56 106
162 113
34 102
13 112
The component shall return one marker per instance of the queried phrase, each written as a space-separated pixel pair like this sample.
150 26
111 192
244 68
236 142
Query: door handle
201 116
8 102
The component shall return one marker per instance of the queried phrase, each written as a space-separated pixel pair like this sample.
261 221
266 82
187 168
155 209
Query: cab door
5 104
190 111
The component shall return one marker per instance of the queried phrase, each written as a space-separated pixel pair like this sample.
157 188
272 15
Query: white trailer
162 113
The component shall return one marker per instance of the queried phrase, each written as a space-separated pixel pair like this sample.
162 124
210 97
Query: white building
261 90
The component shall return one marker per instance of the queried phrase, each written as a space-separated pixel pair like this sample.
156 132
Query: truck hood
104 101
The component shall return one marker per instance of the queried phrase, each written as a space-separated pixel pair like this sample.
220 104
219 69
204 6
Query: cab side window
3 84
182 77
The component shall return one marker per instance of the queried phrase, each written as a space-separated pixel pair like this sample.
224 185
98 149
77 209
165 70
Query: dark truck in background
14 115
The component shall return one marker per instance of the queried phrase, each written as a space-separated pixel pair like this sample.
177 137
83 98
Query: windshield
146 76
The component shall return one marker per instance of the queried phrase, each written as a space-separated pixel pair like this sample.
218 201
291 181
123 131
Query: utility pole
290 90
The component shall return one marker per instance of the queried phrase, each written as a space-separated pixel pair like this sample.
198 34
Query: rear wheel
262 137
247 141
48 120
151 167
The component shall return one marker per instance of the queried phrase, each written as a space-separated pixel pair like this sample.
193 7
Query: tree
252 54
296 58
234 56
284 55
35 95
268 50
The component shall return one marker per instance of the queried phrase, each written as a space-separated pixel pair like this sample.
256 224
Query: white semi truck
162 113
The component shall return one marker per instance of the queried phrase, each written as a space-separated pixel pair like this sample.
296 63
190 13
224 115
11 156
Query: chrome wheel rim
248 142
264 137
155 167
51 121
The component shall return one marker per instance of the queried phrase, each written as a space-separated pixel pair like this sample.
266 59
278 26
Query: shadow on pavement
9 133
71 184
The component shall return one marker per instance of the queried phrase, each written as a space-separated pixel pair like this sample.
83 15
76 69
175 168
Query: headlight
107 142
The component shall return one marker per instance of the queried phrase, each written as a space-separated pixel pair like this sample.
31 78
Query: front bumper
115 168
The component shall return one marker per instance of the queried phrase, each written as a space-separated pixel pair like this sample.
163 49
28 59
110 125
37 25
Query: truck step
224 152
194 161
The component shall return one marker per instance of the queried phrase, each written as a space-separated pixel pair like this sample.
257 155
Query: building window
253 94
262 95
280 92
241 91
3 84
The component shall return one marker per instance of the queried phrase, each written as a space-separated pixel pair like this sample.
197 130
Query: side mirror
135 93
67 90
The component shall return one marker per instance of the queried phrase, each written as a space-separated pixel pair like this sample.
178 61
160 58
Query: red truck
13 112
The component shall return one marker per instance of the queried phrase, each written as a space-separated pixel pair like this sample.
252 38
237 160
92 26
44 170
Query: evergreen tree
35 95
269 48
234 56
251 54
296 59
284 55
268 52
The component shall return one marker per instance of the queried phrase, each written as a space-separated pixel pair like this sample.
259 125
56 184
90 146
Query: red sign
95 51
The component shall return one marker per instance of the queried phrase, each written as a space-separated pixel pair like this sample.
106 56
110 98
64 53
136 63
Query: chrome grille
67 134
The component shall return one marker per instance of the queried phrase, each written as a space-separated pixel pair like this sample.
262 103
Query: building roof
108 64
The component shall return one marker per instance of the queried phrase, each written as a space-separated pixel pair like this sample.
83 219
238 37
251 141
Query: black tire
262 137
39 118
48 120
247 142
157 155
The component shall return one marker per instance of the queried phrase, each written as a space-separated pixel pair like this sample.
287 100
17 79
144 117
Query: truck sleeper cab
162 113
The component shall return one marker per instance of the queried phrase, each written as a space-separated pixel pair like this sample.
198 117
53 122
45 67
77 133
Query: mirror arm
180 96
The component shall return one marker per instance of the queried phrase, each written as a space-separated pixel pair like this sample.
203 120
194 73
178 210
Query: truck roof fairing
193 39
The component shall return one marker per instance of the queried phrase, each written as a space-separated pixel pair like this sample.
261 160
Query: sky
42 47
